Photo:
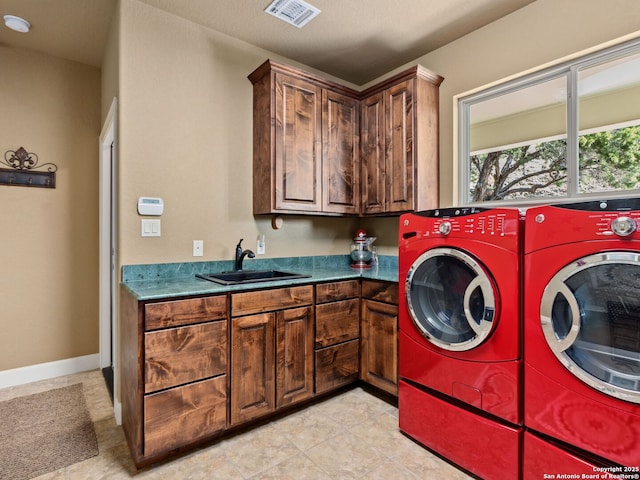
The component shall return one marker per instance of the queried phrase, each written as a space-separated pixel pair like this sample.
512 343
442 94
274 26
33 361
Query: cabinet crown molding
271 66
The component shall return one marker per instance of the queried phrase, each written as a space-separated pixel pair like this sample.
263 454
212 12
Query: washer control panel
623 226
611 223
553 225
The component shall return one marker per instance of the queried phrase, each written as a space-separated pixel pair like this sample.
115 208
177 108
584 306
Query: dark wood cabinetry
305 143
252 366
174 373
271 350
387 145
379 330
294 355
321 148
340 153
399 143
197 368
337 334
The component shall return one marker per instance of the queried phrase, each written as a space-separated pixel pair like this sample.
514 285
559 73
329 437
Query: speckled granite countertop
170 280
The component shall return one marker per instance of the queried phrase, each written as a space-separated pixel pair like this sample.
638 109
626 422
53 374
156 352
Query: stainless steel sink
249 276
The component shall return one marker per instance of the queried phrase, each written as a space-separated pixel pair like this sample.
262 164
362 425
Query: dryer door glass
451 299
590 316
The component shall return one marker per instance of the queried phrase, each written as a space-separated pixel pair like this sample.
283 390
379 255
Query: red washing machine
460 342
582 336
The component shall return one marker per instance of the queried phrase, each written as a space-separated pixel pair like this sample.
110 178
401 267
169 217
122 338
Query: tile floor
353 435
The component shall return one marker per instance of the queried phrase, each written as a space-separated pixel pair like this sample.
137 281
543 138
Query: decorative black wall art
21 170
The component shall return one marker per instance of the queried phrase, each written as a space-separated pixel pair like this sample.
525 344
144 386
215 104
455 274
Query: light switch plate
150 227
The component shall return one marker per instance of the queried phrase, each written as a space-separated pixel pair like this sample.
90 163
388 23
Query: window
570 131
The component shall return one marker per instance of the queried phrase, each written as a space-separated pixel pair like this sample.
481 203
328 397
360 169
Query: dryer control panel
488 225
480 224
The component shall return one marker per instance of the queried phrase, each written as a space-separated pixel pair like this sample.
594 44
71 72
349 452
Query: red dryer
460 341
582 337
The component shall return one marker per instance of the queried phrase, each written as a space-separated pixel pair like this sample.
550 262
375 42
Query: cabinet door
252 366
399 159
340 153
372 139
294 365
379 345
297 145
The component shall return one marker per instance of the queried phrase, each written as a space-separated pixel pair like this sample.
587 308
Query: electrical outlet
260 247
198 248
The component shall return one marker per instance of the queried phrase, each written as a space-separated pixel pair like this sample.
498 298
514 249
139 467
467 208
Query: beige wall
186 136
110 64
49 242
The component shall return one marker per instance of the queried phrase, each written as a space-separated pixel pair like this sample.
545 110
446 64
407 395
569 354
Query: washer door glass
451 299
590 316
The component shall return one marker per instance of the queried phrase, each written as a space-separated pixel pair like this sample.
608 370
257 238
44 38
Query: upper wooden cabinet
323 149
399 143
340 151
305 143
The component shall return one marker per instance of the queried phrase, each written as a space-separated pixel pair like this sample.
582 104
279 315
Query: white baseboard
44 371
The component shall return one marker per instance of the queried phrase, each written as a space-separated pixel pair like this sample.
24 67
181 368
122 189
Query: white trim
109 306
107 138
45 371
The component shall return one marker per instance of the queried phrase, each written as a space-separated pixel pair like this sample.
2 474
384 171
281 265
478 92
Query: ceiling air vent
294 12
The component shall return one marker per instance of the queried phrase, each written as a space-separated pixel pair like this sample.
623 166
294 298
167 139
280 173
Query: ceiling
354 40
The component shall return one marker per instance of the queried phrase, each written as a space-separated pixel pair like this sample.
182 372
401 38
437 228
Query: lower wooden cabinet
252 366
176 356
181 415
337 334
174 373
193 368
379 331
271 352
294 355
337 365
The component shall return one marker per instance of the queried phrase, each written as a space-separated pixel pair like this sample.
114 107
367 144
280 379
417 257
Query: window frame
570 70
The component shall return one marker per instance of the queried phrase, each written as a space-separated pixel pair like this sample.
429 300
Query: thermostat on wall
150 206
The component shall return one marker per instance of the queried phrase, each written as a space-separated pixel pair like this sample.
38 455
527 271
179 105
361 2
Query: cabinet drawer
337 366
260 301
182 415
184 312
386 292
184 354
337 322
330 292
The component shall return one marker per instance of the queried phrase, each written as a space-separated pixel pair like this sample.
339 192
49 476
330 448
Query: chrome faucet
240 254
